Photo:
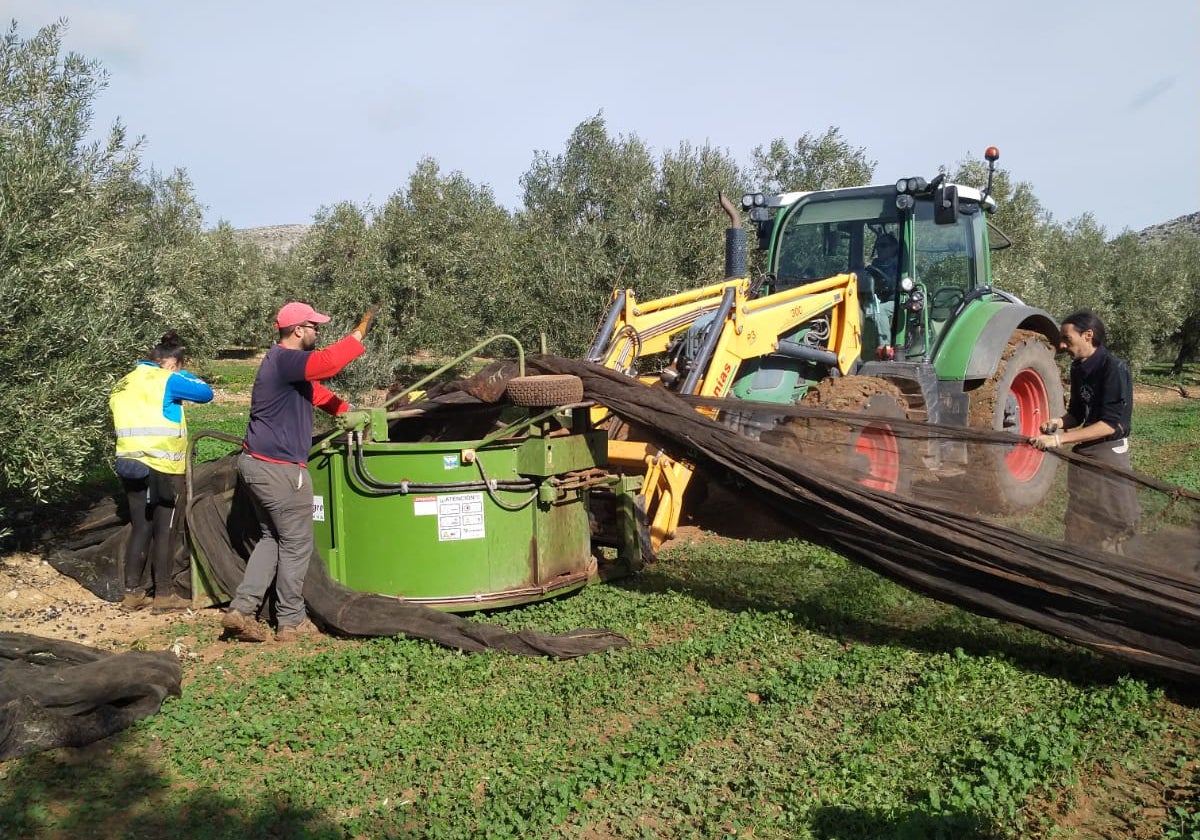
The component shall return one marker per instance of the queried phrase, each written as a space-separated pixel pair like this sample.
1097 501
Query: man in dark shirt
272 466
1102 509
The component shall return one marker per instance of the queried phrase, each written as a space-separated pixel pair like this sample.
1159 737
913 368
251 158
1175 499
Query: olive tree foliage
245 287
449 251
1181 251
585 228
1149 296
71 266
1139 291
606 214
214 291
1065 267
343 274
690 222
435 262
811 162
97 261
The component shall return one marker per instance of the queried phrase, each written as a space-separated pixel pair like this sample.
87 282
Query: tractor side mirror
945 205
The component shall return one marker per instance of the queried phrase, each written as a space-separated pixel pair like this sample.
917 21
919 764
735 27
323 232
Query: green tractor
948 346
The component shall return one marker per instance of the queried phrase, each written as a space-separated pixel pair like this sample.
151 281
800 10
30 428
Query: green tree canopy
811 162
607 213
72 267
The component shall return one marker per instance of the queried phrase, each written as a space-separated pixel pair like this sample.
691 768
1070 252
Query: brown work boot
134 600
297 631
239 626
170 603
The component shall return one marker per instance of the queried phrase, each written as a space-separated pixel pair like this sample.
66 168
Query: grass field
771 690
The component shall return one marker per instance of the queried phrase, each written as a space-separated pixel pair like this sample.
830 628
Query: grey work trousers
283 501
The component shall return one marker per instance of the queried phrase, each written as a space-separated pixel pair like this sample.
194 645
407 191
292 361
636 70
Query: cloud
1150 94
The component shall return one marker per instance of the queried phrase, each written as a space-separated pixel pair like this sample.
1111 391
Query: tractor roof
787 199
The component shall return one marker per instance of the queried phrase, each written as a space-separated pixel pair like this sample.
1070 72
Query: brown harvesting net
973 518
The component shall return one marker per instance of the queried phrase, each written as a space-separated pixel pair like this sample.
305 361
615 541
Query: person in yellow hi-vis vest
147 413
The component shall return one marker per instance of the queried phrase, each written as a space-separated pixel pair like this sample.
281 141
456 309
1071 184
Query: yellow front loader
714 336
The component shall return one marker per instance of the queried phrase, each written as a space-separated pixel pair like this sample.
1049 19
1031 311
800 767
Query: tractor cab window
858 235
823 238
944 260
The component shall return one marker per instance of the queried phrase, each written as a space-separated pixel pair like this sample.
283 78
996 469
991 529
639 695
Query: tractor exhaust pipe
604 336
735 241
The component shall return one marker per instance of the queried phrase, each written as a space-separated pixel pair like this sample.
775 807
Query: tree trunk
1189 344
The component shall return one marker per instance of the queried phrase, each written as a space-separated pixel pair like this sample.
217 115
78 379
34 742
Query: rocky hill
274 239
1184 224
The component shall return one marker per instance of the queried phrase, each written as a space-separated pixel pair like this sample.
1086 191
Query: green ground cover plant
771 690
1165 442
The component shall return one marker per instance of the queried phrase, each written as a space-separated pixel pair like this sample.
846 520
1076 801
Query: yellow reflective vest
143 433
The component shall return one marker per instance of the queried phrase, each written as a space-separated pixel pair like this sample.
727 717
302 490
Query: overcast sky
278 107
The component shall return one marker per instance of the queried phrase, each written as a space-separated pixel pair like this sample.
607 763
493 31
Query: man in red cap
272 465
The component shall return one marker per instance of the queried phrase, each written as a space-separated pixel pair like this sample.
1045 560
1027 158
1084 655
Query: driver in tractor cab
877 287
883 269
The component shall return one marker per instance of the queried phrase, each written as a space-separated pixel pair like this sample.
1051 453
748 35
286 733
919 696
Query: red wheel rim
878 444
1033 409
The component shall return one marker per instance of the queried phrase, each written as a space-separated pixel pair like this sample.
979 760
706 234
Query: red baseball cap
297 313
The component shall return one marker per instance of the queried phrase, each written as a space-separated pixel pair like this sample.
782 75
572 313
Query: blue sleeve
182 385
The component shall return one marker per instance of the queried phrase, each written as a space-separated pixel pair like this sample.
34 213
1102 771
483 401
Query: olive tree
811 162
448 248
587 225
1140 289
608 213
71 269
247 284
1181 251
689 221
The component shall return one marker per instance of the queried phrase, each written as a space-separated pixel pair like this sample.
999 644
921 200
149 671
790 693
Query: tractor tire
545 391
1025 391
873 455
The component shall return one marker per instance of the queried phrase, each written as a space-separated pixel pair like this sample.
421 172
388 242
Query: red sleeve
328 401
323 364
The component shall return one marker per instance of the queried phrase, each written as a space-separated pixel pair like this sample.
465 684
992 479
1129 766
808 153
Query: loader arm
633 329
757 328
752 328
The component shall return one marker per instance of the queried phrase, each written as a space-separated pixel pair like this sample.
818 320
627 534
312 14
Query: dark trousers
1102 509
156 521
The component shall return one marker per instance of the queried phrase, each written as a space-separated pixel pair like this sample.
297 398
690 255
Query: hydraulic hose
373 486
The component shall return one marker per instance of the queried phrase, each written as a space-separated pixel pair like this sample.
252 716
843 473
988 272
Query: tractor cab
920 250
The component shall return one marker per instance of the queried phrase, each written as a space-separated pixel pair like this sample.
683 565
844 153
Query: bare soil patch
37 599
1145 394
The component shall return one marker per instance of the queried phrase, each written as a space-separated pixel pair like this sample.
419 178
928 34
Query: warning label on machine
459 515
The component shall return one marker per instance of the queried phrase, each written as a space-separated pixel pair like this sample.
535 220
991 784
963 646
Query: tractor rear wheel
871 453
1024 392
